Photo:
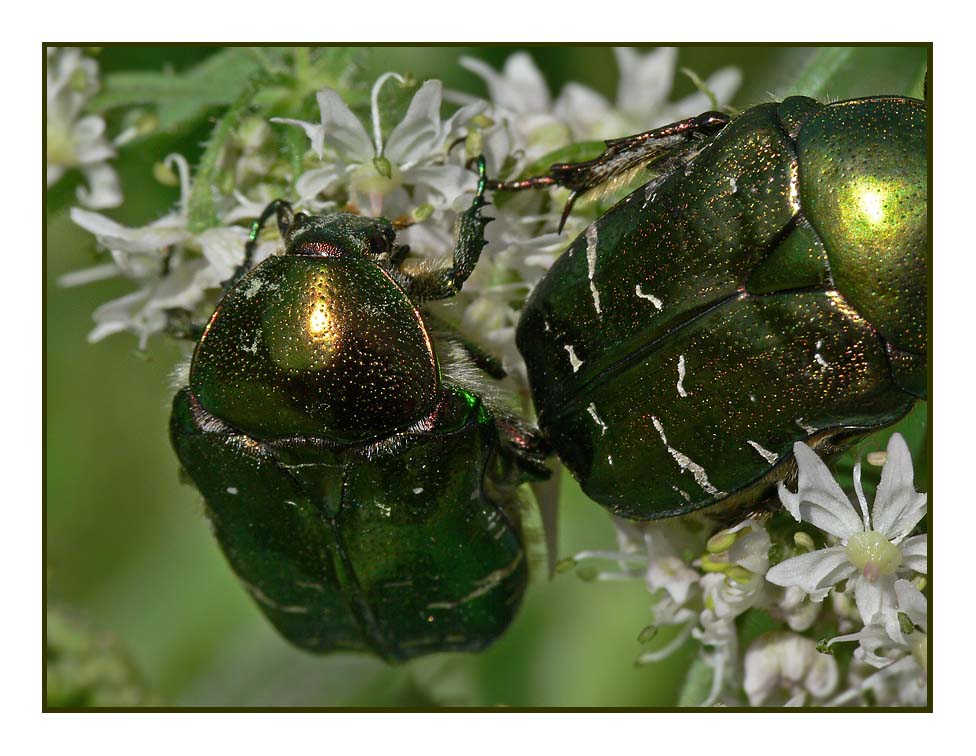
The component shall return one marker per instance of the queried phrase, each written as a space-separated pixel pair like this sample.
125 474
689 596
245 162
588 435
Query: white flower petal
89 275
875 601
224 249
814 572
819 499
156 236
311 183
105 190
912 602
645 80
447 181
897 506
419 133
90 145
462 117
583 109
184 287
520 88
343 130
871 638
314 131
128 313
751 550
915 553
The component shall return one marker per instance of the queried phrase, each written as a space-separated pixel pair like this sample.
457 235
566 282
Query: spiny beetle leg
445 283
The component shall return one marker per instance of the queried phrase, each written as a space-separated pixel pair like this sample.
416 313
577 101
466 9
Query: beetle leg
283 212
660 149
179 325
446 282
525 446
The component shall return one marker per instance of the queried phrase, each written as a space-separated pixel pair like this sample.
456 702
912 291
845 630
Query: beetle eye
378 245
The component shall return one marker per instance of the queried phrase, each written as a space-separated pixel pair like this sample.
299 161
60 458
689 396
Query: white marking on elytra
681 376
546 327
253 349
575 361
685 463
597 419
253 287
808 428
418 490
591 242
289 501
649 297
610 460
265 599
232 491
818 357
487 583
766 454
684 494
649 194
384 508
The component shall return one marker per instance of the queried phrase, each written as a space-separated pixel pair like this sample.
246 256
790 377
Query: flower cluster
413 170
76 140
869 567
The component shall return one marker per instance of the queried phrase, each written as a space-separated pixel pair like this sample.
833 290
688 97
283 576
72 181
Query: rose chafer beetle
358 484
768 287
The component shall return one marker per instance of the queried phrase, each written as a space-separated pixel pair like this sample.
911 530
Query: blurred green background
129 554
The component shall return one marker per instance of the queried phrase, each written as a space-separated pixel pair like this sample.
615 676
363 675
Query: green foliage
88 669
697 684
755 622
179 98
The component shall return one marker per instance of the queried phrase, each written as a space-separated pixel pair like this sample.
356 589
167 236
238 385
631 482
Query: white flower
898 645
740 557
788 664
793 606
519 92
643 93
413 156
873 546
899 633
74 140
197 264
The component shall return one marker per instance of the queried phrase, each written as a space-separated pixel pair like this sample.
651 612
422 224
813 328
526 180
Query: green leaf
838 73
697 685
181 97
202 206
755 622
85 668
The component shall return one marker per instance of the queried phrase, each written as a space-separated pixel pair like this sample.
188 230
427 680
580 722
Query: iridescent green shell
690 336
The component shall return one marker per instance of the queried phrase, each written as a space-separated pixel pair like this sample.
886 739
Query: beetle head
337 234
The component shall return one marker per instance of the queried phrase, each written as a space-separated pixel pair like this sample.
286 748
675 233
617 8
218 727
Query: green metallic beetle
768 287
358 485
